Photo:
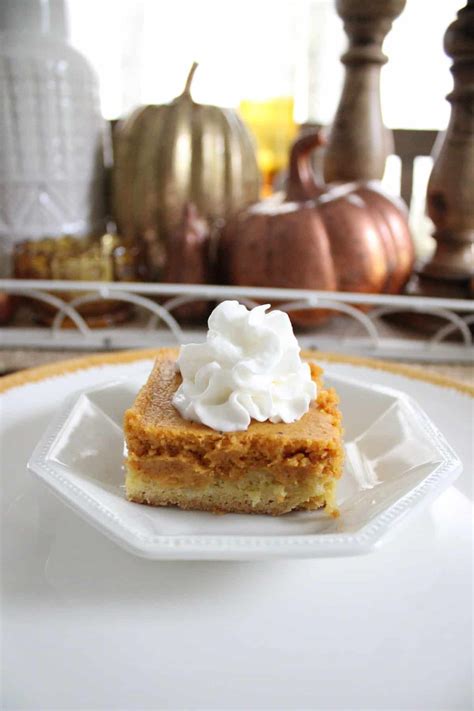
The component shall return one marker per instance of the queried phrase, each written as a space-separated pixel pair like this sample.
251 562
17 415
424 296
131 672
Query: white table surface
86 625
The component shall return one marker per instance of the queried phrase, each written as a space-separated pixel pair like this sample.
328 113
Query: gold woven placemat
31 366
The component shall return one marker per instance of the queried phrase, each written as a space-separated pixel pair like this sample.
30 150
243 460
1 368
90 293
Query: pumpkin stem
302 183
189 80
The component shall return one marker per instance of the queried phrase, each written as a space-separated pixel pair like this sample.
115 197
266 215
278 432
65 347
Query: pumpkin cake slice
269 468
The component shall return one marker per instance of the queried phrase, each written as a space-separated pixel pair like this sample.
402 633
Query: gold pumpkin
346 237
167 156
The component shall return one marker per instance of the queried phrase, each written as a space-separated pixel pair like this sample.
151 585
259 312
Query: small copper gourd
188 260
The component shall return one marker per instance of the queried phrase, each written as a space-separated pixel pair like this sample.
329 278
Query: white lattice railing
359 332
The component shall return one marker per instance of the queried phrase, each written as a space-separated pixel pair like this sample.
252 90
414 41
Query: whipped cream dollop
248 368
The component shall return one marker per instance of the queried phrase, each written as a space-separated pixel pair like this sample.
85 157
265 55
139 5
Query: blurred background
276 60
170 143
257 51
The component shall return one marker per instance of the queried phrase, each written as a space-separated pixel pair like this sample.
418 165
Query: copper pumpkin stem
189 80
302 183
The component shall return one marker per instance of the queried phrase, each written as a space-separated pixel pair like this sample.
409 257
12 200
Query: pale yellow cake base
255 492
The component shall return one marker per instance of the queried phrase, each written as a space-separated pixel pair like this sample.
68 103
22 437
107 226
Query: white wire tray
355 331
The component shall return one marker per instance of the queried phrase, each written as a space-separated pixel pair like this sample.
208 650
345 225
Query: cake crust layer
254 493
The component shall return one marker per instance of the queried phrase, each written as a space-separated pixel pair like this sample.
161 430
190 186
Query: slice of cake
194 437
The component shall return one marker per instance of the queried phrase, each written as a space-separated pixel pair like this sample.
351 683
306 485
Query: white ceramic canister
51 130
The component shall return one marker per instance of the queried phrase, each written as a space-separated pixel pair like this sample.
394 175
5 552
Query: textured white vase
51 129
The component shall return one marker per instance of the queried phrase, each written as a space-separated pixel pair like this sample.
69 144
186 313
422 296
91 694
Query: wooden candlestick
450 194
359 143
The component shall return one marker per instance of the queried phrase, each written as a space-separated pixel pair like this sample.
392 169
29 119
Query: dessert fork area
88 625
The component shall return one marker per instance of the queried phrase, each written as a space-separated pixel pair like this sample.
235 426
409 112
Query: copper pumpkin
347 237
169 155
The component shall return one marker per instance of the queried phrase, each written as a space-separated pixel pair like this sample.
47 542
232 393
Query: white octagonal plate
396 459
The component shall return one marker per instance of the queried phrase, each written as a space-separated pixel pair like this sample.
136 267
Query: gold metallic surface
171 155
